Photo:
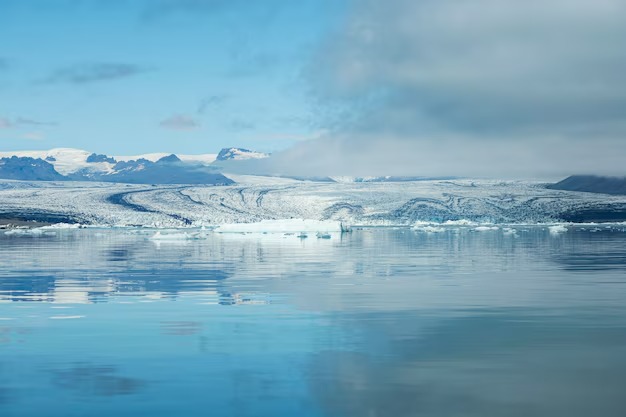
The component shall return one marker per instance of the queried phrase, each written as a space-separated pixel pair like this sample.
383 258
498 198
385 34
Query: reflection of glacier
255 199
85 266
390 268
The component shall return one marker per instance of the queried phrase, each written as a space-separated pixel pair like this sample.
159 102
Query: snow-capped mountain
25 168
168 170
237 154
64 160
68 161
81 165
204 159
95 158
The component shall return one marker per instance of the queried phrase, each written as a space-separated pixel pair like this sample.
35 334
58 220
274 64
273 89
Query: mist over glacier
549 159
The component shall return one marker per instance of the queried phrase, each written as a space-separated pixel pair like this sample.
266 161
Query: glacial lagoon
454 321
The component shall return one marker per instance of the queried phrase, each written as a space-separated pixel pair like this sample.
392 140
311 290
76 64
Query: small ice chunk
62 226
29 232
486 228
462 222
175 236
429 229
558 229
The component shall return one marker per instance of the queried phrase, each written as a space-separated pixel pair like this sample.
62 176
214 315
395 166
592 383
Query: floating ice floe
486 228
62 226
29 232
429 229
423 225
285 226
158 236
462 222
558 229
508 231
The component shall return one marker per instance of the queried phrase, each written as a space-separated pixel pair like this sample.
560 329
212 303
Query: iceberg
285 226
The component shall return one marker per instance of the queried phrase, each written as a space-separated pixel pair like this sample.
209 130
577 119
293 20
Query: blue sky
136 76
511 88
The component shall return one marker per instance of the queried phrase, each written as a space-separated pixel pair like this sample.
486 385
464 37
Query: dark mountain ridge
167 170
592 184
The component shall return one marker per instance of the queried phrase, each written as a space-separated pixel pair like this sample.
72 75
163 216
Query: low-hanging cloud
456 87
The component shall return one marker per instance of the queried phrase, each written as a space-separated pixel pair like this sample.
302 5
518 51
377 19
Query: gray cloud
94 72
23 121
179 122
481 65
487 87
6 123
211 101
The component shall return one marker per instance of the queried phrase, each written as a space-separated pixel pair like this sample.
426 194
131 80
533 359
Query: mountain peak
239 154
95 158
170 159
27 168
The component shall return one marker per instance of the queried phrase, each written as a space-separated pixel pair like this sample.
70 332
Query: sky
331 87
139 76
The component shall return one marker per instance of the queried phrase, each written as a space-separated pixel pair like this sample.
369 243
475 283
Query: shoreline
13 223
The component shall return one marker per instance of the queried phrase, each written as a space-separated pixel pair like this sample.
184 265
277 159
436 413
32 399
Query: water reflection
483 365
372 323
99 380
88 266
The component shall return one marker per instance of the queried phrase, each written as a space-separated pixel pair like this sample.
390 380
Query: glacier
254 199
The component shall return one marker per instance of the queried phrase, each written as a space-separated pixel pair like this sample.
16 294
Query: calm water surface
377 322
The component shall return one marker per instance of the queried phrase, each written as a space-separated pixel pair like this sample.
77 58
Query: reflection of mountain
114 269
155 284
